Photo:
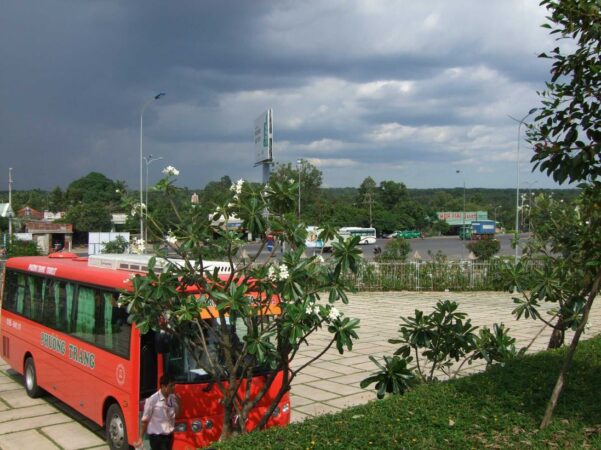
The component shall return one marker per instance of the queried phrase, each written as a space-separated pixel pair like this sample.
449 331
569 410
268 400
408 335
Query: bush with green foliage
484 249
438 341
117 245
17 247
396 249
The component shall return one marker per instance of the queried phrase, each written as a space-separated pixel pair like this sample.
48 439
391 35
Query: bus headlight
181 427
286 408
196 426
208 424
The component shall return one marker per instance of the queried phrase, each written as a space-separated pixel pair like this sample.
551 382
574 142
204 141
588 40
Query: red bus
63 328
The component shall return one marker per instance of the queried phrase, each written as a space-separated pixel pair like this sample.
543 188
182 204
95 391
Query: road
451 246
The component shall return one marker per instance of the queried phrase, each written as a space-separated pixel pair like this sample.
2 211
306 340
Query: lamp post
299 166
148 102
517 183
10 202
496 207
148 160
463 215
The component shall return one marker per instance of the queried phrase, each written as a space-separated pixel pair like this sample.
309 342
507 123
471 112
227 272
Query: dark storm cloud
352 84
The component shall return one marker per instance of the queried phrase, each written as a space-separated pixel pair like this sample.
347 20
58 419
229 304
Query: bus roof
111 271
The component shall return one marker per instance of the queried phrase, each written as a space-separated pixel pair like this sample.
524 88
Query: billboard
456 217
264 137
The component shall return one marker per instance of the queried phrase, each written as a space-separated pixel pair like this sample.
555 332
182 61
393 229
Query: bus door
148 366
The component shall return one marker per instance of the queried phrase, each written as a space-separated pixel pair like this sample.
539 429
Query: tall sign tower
264 142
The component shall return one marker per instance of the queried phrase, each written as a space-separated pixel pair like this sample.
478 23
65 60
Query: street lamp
496 207
148 102
148 160
463 225
517 183
299 166
10 202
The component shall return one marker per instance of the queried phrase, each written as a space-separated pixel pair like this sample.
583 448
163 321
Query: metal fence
429 275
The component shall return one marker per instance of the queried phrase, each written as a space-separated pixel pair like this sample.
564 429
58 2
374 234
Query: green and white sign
264 137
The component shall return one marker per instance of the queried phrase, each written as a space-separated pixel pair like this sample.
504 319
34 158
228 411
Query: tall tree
95 187
85 217
310 185
566 136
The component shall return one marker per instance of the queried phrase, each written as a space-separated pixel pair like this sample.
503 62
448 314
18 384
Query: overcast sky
396 90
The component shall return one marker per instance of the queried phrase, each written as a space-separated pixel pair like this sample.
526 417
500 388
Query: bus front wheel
116 432
31 380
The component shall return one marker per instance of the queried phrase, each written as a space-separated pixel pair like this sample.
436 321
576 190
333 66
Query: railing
428 275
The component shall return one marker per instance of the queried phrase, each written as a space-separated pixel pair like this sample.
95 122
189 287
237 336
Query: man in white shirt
158 419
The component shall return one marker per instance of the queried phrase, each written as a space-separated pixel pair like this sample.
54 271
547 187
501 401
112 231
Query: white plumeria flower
316 309
231 205
237 188
171 239
283 272
137 208
291 181
170 170
334 314
278 273
309 310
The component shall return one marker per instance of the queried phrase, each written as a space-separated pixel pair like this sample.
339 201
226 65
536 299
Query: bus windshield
189 363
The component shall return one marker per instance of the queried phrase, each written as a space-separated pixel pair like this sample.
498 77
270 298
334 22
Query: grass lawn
501 408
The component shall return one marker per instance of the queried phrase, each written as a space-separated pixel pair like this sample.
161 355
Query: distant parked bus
367 235
62 326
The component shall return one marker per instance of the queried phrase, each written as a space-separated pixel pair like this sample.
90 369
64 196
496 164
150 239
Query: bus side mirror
162 342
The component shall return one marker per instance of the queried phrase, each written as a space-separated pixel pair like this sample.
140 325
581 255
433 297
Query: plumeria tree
566 135
278 302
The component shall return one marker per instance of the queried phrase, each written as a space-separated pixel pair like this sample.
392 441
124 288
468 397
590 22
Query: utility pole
10 202
370 201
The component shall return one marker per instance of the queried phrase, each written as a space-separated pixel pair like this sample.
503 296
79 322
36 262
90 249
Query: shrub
17 247
118 245
485 248
396 250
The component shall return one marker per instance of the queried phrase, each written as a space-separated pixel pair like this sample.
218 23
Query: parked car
407 234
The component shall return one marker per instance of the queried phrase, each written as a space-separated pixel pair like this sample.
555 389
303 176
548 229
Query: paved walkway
326 386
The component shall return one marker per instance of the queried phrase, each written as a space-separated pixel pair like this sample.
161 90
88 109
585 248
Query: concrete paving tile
320 373
72 436
354 360
33 422
5 379
3 406
339 367
26 440
359 398
296 400
298 416
353 379
314 394
304 378
336 388
11 386
20 399
367 367
317 409
30 411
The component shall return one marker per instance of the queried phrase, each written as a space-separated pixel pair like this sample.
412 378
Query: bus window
188 363
85 314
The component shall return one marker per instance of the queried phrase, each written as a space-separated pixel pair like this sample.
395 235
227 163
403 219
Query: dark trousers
160 441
